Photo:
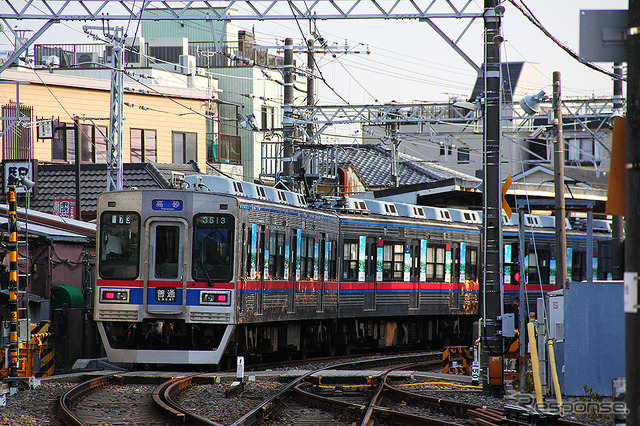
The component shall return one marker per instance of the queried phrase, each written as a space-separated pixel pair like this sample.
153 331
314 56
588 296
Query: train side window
350 261
472 264
431 263
167 251
440 264
333 270
247 251
306 258
392 262
276 254
119 245
578 266
254 259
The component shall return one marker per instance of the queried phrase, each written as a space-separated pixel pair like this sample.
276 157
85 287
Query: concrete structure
164 123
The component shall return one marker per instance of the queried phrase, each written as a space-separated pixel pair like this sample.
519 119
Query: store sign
65 207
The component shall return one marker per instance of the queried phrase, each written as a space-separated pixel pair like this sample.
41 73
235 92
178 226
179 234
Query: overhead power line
524 9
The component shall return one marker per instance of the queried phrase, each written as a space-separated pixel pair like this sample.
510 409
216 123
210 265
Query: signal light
516 276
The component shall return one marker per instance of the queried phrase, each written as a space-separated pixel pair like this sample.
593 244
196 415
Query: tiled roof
58 181
373 164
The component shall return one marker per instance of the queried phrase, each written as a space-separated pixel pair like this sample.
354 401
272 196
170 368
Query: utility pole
287 125
632 213
13 280
617 230
558 174
492 344
395 179
78 166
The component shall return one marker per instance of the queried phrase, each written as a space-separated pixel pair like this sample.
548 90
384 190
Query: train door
370 273
165 282
414 279
294 261
323 270
452 259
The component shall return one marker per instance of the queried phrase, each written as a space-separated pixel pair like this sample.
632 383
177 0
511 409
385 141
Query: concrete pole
617 231
632 213
77 133
558 174
287 126
492 344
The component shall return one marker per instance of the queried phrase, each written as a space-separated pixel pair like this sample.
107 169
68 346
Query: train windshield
213 247
119 245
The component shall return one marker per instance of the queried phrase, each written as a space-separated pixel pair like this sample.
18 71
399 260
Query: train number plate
166 294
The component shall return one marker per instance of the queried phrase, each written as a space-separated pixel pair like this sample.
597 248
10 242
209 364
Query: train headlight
109 295
217 297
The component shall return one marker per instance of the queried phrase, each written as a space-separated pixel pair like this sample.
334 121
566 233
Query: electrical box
495 370
509 325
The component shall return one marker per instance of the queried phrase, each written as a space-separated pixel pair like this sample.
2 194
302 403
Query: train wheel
329 347
346 349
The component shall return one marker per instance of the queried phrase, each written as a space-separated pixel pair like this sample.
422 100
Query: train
222 268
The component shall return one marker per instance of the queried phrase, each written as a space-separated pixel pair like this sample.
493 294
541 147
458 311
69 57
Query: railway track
201 399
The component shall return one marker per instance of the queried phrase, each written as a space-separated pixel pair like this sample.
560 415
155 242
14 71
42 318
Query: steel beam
237 10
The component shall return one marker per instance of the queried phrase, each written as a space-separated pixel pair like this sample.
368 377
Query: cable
524 9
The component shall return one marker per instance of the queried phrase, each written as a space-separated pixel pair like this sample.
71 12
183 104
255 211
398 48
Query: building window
16 142
143 145
93 143
463 155
267 118
185 147
582 151
443 150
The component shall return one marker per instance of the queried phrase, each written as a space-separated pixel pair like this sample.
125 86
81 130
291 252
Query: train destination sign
167 205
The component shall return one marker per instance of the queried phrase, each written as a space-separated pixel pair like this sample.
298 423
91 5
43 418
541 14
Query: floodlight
531 103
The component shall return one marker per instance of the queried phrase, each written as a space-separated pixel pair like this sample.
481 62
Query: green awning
70 295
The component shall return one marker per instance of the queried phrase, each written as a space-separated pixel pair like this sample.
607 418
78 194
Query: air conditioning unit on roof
188 64
86 59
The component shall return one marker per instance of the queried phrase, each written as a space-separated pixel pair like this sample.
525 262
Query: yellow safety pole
13 283
535 364
554 374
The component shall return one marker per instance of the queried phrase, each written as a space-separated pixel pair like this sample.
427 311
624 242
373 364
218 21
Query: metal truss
223 10
328 115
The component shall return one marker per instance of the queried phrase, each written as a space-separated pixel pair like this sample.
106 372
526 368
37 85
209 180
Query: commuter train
225 268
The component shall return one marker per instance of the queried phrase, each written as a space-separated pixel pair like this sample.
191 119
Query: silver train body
227 268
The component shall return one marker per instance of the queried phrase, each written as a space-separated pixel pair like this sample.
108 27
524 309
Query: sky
409 62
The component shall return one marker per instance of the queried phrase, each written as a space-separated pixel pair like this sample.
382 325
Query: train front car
165 284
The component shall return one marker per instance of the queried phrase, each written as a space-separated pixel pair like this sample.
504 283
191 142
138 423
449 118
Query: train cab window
213 247
276 254
392 262
350 261
119 245
167 251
